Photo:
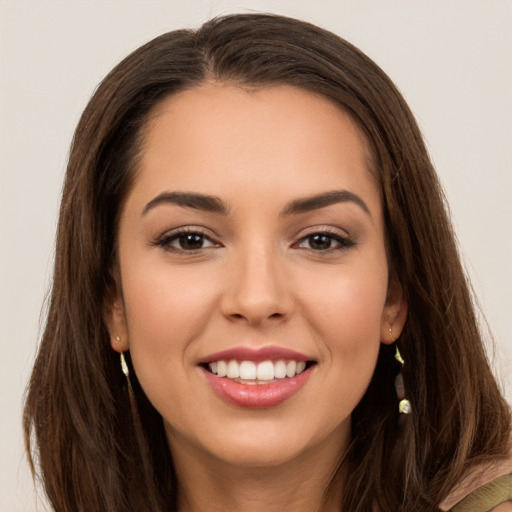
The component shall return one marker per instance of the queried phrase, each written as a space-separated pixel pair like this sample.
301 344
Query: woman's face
252 243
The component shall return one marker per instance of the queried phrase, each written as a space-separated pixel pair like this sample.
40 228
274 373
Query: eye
185 240
324 242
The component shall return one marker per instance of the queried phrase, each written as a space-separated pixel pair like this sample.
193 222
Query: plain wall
452 60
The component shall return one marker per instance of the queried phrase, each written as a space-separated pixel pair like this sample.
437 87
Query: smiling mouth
257 373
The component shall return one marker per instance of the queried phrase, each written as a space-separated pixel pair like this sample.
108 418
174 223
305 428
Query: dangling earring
404 407
126 371
124 366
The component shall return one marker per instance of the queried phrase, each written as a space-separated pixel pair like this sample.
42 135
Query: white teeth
222 368
265 370
280 370
290 368
247 370
251 372
233 370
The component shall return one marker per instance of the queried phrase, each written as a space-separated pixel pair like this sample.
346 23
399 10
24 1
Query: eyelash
343 242
166 240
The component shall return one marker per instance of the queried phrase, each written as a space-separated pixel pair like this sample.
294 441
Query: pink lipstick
257 378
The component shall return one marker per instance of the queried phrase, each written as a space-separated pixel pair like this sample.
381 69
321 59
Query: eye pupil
191 241
320 242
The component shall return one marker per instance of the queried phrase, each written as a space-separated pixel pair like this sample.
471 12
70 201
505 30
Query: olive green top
485 498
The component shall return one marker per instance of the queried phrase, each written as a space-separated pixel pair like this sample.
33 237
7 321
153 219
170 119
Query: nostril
237 315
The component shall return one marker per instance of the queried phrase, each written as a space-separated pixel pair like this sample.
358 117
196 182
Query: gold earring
398 357
124 366
404 406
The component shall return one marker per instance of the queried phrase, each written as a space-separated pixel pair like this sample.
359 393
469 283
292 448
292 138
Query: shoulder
495 496
487 488
504 507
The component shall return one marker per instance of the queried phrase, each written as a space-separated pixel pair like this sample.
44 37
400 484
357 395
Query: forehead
278 138
217 105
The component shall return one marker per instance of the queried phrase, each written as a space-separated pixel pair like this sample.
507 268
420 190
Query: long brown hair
91 455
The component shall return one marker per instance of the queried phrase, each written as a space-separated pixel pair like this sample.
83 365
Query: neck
312 482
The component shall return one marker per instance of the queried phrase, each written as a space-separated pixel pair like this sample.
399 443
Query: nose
258 288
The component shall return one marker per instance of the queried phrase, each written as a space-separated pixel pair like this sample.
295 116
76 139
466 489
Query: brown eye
325 242
190 241
185 241
320 242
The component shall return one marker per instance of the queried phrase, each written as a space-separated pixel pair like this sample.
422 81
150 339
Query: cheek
348 303
346 311
166 310
166 299
165 313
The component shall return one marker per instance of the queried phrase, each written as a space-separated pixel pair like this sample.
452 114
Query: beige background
451 59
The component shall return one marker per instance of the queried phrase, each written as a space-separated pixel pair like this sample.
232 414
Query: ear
115 319
394 314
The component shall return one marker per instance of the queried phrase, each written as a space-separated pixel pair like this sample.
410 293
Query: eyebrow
323 200
190 200
214 204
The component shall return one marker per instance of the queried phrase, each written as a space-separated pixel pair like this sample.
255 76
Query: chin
263 455
271 443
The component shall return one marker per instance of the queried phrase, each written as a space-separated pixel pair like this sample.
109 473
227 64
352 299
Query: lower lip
257 396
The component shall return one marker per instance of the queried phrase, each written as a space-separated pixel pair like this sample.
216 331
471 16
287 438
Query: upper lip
244 353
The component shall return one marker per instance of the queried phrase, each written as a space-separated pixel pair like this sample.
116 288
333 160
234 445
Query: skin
257 280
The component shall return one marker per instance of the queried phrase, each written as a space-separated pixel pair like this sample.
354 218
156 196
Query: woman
251 220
